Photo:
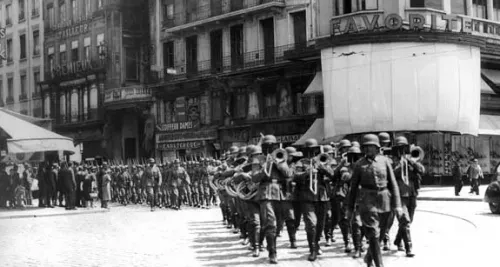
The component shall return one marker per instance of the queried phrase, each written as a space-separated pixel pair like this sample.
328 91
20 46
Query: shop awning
486 89
316 86
493 75
25 137
316 131
489 125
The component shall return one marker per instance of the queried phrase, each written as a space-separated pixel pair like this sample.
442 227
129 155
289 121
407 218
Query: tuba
323 158
417 153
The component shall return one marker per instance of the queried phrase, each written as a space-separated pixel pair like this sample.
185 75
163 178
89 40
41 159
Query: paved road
133 236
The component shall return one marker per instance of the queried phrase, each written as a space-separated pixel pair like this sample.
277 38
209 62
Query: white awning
489 125
25 137
316 131
316 86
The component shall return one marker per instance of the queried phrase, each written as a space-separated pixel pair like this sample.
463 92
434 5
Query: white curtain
74 106
47 106
401 86
93 96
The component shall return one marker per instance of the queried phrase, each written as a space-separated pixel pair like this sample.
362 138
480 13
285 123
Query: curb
449 199
52 215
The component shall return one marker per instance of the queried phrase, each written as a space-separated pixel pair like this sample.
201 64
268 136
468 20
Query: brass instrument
253 189
280 155
313 179
417 153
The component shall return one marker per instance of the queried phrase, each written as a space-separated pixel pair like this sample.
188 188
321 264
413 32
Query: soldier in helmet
408 175
379 194
315 196
152 181
180 179
385 142
194 173
204 188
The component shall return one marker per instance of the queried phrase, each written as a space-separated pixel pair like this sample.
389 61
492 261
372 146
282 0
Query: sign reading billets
127 93
179 145
178 126
375 21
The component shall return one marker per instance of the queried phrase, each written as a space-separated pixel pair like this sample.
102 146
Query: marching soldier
152 181
314 195
204 189
194 173
270 195
185 186
385 142
378 194
165 201
408 174
179 178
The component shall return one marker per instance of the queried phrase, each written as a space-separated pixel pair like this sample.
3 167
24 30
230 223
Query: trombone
313 179
277 156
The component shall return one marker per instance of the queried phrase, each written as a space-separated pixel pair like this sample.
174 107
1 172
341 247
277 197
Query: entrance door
268 33
130 148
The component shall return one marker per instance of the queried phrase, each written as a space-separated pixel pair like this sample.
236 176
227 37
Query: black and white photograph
207 133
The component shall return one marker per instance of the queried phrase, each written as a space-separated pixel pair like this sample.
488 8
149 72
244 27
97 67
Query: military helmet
354 150
384 138
242 151
355 143
256 150
176 161
269 139
328 149
400 141
292 151
311 142
233 150
345 143
151 160
371 139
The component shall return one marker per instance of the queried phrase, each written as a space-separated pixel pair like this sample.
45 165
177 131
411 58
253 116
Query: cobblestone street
134 236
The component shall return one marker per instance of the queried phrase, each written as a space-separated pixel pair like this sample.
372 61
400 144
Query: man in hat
100 174
68 184
379 194
152 182
475 174
27 182
457 174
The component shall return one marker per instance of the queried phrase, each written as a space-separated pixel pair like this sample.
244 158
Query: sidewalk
447 193
34 211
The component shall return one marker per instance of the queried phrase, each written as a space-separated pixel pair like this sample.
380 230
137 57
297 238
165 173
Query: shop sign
126 93
179 145
236 135
280 138
74 30
179 126
208 134
72 68
416 21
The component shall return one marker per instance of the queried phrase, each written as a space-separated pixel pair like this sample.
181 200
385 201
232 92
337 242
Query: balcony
35 12
202 15
23 97
21 17
226 65
92 116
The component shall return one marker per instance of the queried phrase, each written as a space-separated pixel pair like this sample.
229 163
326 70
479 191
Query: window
459 7
23 85
52 18
22 42
62 11
436 4
168 55
8 14
192 54
216 107
496 10
21 10
36 43
35 8
236 35
74 51
350 6
36 80
74 11
62 55
88 9
50 58
100 41
9 51
10 87
299 27
86 48
168 10
240 103
99 4
131 64
479 9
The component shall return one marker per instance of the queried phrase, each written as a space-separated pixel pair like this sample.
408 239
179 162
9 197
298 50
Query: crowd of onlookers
67 185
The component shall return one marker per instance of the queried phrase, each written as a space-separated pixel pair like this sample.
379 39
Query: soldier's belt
274 181
375 188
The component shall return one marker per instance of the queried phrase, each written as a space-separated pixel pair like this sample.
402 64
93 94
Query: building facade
220 77
426 69
21 62
90 47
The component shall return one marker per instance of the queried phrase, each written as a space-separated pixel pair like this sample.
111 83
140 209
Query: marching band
358 187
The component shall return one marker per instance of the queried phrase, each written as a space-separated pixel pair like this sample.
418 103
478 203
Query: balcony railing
200 11
224 65
91 116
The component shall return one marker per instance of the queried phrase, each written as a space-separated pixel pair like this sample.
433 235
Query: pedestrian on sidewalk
475 174
457 177
68 184
106 189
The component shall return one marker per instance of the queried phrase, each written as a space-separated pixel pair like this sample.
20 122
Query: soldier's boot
345 234
397 240
257 243
408 243
313 253
387 241
291 235
356 240
261 241
376 253
271 248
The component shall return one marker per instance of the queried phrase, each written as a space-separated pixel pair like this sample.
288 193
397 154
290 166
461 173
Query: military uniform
378 194
152 181
180 178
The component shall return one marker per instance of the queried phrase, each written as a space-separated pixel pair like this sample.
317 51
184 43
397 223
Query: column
469 8
489 8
